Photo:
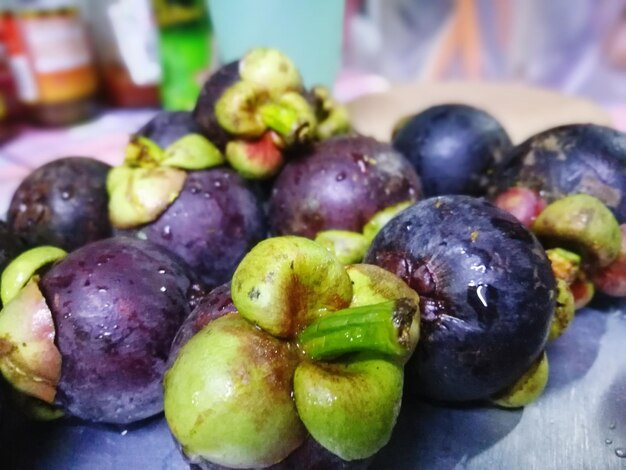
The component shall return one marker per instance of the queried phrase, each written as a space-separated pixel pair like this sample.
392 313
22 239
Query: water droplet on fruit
166 233
161 271
163 289
124 432
483 298
194 190
612 425
608 442
67 194
620 452
102 290
340 176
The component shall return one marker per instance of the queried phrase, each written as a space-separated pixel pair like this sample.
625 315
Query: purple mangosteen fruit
487 295
91 335
180 197
566 160
455 148
62 203
341 184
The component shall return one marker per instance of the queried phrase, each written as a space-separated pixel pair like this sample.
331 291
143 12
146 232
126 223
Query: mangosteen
487 296
62 203
260 380
340 184
256 108
180 197
565 160
454 148
92 334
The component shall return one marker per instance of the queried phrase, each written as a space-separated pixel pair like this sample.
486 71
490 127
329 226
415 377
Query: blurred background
76 76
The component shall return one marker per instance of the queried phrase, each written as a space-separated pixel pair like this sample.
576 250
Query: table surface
579 423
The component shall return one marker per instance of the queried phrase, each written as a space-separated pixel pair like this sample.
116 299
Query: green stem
17 274
291 117
382 328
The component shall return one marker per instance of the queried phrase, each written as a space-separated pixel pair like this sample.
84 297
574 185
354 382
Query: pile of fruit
275 283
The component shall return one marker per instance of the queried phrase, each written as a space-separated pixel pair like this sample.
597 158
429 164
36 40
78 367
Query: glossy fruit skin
168 126
339 184
204 112
454 148
116 304
215 304
62 203
212 224
577 158
487 294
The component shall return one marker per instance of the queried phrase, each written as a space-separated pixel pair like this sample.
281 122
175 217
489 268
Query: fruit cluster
270 284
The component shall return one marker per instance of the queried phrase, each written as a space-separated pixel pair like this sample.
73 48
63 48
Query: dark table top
579 422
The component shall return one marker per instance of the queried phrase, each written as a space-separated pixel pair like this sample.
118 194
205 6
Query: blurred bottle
125 37
9 102
184 43
51 61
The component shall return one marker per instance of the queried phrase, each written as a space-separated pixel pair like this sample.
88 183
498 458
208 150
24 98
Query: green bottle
185 50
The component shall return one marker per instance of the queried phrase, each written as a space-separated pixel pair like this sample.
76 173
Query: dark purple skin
116 306
577 158
214 305
487 294
454 148
212 224
310 455
10 247
340 184
168 126
63 203
204 112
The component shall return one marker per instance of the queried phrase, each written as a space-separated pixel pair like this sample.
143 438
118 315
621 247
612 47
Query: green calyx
527 388
190 152
565 264
372 285
349 247
351 407
380 219
332 117
140 195
315 348
565 309
17 274
291 117
237 109
258 159
152 178
271 70
227 398
383 328
583 224
285 283
29 359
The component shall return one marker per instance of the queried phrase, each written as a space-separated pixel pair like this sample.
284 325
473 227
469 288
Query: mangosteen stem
382 328
292 118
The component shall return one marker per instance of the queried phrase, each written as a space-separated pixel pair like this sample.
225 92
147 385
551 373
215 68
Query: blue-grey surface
579 423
